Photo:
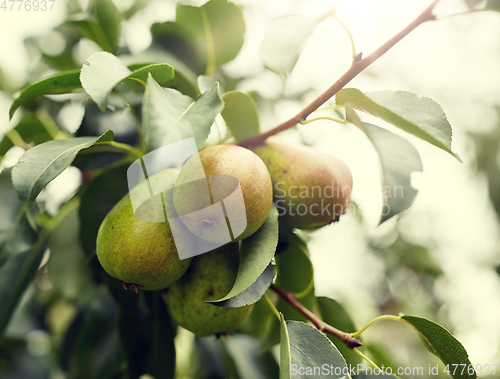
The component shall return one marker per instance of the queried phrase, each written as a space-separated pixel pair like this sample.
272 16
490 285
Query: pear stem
357 66
322 326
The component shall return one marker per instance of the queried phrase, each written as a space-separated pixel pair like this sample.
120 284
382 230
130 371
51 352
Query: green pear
223 195
210 277
311 188
142 254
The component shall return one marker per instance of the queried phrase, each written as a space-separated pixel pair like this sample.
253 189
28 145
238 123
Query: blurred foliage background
441 260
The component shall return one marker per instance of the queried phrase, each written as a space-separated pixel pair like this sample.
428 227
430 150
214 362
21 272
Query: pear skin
141 254
311 188
210 277
205 194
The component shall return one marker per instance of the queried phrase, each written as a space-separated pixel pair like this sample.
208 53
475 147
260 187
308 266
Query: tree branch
358 65
322 326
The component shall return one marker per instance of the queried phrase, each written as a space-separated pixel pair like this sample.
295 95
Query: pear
224 194
311 188
142 254
210 277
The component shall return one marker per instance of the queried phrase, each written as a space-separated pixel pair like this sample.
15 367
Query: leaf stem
358 65
271 305
325 118
211 62
379 318
350 37
350 341
366 358
122 146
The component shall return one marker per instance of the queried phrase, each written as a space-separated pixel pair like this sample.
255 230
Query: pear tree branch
358 65
350 341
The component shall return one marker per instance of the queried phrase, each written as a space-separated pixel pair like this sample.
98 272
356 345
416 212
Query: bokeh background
441 260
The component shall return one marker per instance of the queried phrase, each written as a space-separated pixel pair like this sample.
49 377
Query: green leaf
169 116
68 268
398 159
250 362
215 31
148 341
41 164
99 198
59 83
295 270
103 71
103 27
285 37
30 129
285 355
420 116
443 344
309 348
240 115
335 315
253 293
256 253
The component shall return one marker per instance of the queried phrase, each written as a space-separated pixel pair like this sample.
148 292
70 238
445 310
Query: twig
358 65
322 326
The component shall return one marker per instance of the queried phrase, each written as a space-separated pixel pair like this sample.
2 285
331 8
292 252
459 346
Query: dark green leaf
109 19
98 199
285 355
240 115
169 116
148 342
442 343
290 313
103 71
420 116
284 40
59 83
398 159
68 269
41 164
253 293
310 350
256 253
295 270
335 315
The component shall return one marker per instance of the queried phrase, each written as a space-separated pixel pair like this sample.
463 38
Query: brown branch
322 326
358 65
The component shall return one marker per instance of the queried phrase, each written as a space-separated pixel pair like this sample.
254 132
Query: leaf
240 115
31 129
250 362
68 269
169 116
103 71
285 358
398 159
295 270
59 83
215 31
103 27
98 199
420 116
253 293
443 344
284 39
148 342
310 348
41 164
256 253
335 315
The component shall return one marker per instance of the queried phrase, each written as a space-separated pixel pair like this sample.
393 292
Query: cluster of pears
144 255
